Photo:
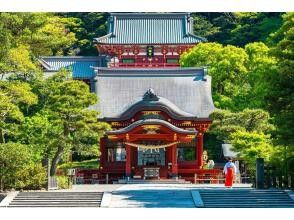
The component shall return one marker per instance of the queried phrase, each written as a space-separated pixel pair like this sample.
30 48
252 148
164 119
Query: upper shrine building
158 111
147 39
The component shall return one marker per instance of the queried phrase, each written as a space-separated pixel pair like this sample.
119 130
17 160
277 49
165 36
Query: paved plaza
149 195
153 196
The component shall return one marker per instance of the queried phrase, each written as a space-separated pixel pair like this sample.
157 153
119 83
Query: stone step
62 206
57 199
248 206
229 198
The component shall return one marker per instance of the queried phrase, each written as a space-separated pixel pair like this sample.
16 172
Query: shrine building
158 111
147 39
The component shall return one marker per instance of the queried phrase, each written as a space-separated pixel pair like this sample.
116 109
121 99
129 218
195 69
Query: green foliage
63 182
71 125
32 176
14 97
44 33
227 66
248 132
251 145
17 170
203 27
239 76
240 29
280 97
249 120
86 27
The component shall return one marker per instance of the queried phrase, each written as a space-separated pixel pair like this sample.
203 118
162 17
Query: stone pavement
154 196
148 195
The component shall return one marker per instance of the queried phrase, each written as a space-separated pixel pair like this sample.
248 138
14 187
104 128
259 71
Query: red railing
143 65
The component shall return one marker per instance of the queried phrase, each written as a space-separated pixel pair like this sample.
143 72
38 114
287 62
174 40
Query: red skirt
229 177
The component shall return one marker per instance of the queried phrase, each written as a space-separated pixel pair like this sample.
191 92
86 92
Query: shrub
63 182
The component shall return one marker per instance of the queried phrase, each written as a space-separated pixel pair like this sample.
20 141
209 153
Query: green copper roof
150 28
81 67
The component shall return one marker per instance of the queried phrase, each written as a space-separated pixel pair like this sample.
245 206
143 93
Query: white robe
230 164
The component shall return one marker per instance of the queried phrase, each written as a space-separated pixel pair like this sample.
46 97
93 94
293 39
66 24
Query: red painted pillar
103 152
128 160
174 161
199 149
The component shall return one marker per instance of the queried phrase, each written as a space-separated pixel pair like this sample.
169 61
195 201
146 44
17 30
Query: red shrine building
147 40
158 111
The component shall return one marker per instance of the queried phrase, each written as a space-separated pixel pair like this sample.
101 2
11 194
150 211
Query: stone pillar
128 160
174 161
199 149
259 173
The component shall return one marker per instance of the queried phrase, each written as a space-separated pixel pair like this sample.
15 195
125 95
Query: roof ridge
72 57
145 14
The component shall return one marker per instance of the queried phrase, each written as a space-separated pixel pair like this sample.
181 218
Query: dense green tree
240 77
203 27
15 97
226 122
240 29
248 131
252 145
281 96
43 33
90 25
17 170
253 27
73 125
227 66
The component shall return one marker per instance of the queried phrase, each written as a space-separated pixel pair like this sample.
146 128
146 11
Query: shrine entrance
149 157
153 138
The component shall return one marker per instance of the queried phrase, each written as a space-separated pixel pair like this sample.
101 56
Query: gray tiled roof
118 89
150 28
81 66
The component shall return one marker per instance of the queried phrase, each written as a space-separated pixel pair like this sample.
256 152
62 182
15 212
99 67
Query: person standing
229 171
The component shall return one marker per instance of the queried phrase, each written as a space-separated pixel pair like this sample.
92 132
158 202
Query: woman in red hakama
229 170
229 177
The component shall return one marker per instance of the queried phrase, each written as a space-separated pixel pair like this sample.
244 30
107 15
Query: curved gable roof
187 91
150 28
151 122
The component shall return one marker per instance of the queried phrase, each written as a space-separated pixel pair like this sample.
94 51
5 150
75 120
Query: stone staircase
57 199
245 198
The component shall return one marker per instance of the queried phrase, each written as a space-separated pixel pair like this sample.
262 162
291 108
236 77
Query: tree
248 132
86 27
14 98
240 77
226 122
17 170
252 145
203 27
44 33
74 125
262 67
239 29
280 97
253 27
227 66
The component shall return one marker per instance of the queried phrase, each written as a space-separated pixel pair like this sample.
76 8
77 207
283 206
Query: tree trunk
2 138
56 160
